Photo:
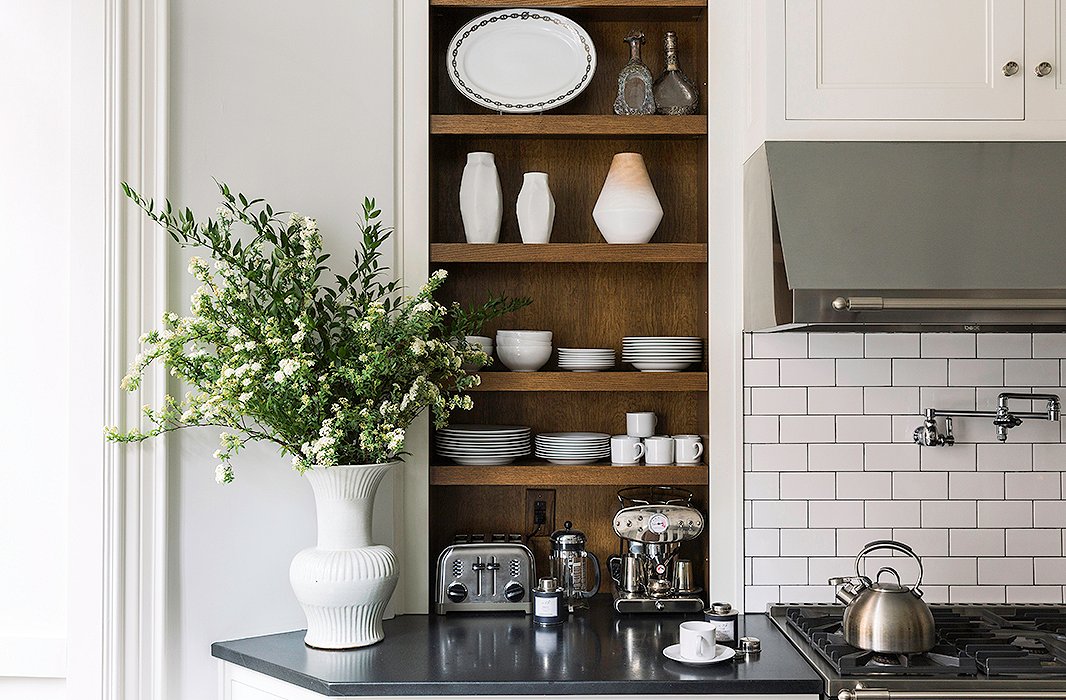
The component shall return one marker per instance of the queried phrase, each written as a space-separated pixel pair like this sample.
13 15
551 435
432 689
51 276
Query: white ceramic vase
536 209
627 211
344 583
481 199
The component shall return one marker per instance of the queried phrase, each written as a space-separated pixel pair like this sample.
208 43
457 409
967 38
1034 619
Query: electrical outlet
540 511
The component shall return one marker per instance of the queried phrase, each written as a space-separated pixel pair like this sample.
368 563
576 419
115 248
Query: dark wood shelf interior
695 253
573 4
582 125
593 381
543 474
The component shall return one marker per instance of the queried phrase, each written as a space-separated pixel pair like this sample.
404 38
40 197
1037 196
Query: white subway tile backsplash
1004 345
917 485
949 514
893 345
808 429
864 428
864 485
778 458
864 372
778 401
919 372
807 485
808 372
894 457
836 345
890 399
1034 543
949 345
837 457
831 464
834 400
1004 570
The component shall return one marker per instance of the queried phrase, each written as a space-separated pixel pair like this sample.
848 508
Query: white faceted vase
481 199
628 210
535 208
344 583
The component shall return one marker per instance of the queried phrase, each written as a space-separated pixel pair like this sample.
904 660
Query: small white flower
223 473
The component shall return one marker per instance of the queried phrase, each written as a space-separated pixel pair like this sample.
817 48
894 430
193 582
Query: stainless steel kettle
885 617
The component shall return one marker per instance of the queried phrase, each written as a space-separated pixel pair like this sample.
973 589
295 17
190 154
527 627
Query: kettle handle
596 572
895 546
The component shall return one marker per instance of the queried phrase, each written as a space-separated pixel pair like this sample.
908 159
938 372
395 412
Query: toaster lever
493 566
478 566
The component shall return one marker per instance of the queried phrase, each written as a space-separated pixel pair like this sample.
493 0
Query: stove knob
456 592
514 592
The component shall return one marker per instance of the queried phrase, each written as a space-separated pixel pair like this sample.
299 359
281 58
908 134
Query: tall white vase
344 583
627 211
536 208
481 199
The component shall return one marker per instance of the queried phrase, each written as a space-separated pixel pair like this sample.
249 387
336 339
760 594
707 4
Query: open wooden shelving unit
589 293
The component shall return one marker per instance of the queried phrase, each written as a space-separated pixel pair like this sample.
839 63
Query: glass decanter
634 81
674 93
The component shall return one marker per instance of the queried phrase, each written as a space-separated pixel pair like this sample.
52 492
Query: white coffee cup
626 449
659 450
641 424
698 640
687 449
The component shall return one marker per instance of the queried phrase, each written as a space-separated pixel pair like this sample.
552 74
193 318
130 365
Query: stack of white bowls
483 444
524 351
573 448
482 343
586 359
661 353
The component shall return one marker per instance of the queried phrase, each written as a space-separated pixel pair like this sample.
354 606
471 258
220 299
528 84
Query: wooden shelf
592 381
569 253
627 4
567 125
543 474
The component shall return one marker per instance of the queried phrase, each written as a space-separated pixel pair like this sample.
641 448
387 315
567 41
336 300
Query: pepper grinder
634 81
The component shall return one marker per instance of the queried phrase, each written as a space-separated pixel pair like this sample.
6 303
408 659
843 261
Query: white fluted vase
628 210
481 199
344 583
535 209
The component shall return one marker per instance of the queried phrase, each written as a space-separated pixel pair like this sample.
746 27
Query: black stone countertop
596 652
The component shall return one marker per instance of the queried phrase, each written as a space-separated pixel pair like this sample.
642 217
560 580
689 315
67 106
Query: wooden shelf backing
626 4
592 381
568 125
569 253
566 475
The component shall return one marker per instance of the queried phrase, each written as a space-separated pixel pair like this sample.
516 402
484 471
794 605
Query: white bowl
524 358
523 344
544 336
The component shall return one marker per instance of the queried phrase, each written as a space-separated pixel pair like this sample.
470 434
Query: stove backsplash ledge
830 464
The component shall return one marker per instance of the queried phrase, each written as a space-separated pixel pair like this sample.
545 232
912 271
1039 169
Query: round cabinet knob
457 592
1043 69
1010 68
514 592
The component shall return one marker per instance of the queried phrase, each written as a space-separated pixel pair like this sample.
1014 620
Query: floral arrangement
331 373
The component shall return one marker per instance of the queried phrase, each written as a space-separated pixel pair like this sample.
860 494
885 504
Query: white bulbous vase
344 583
481 199
628 210
535 208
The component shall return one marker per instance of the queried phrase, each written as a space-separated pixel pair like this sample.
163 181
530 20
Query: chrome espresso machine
648 575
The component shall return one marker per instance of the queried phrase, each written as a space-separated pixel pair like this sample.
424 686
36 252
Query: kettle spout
846 589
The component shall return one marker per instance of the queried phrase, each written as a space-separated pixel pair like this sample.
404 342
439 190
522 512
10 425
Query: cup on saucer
698 641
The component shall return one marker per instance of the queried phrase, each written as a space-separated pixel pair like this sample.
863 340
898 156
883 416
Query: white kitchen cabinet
908 59
1045 30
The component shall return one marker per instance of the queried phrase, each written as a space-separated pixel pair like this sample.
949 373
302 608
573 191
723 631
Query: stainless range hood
905 236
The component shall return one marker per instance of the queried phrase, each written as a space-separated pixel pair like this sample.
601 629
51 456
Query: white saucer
721 653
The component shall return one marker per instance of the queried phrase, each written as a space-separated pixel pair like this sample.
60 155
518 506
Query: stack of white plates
586 359
573 448
661 354
483 444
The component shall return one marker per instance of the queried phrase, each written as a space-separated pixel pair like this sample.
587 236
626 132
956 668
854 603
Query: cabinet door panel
1045 30
905 59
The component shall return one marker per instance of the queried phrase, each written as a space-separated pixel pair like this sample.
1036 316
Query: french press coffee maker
572 566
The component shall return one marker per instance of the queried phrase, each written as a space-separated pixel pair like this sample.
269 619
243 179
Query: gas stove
999 652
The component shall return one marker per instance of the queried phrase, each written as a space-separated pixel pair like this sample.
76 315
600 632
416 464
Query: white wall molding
33 657
118 493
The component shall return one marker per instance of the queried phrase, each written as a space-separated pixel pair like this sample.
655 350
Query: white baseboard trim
33 657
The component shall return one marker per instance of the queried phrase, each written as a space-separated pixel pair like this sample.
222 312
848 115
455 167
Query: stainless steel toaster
485 577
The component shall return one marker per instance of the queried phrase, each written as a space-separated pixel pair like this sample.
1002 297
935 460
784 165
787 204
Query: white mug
659 450
641 424
698 640
626 449
687 449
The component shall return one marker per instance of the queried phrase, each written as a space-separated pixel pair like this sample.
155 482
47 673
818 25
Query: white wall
34 303
292 101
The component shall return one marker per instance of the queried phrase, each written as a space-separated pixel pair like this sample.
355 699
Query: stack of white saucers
661 354
483 444
586 359
573 448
